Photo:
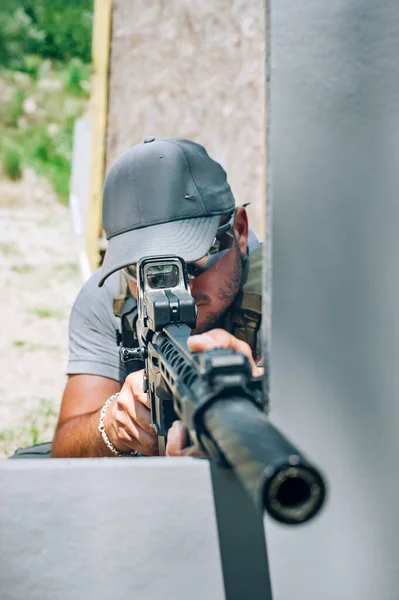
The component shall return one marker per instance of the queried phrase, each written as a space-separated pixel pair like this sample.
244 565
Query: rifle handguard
215 396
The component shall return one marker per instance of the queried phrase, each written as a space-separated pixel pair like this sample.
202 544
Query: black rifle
216 397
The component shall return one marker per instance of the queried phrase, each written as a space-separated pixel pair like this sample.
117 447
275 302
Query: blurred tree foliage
54 29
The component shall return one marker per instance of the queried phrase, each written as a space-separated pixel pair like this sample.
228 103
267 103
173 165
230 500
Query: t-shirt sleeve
92 330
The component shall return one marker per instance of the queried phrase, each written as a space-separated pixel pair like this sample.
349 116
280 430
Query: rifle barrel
275 474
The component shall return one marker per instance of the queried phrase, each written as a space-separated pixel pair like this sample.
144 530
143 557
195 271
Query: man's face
215 289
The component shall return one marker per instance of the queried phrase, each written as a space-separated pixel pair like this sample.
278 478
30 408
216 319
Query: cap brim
190 239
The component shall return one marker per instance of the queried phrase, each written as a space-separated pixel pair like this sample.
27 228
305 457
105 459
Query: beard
226 294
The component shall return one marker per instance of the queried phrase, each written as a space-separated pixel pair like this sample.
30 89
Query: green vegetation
45 70
54 29
67 270
46 313
75 77
38 427
11 163
33 347
9 249
42 138
15 108
23 269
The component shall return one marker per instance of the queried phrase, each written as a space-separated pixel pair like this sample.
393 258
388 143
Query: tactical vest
243 319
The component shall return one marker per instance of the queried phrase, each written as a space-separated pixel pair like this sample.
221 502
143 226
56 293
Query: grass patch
15 108
11 162
42 149
32 347
31 66
6 435
38 427
75 77
49 156
23 269
33 143
46 313
9 249
19 343
67 270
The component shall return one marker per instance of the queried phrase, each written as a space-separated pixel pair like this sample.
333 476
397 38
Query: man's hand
128 419
219 338
215 338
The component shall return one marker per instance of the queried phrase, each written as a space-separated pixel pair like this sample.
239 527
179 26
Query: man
164 196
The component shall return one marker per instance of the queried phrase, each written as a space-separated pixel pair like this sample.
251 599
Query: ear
241 229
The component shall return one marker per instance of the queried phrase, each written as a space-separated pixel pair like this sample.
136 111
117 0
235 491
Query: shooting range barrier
179 69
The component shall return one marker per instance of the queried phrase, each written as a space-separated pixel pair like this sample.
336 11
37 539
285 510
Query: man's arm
127 420
76 434
94 375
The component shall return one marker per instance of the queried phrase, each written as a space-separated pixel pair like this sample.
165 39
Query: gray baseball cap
163 196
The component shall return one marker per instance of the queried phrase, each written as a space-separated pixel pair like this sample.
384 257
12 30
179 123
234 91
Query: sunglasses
221 245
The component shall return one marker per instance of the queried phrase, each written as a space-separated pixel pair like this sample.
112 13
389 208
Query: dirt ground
39 279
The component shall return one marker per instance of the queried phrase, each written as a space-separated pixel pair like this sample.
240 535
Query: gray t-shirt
92 330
